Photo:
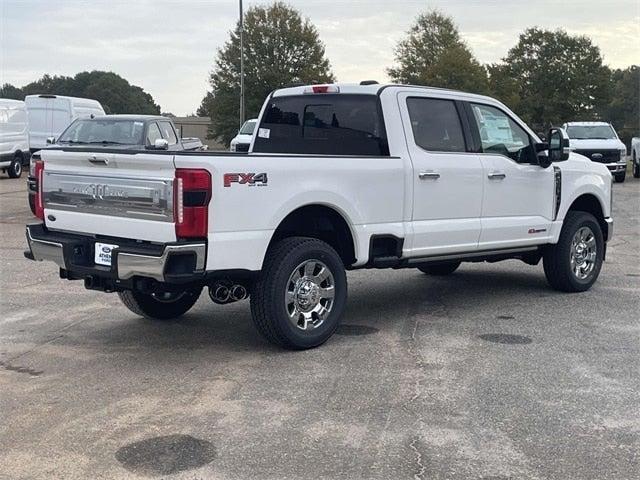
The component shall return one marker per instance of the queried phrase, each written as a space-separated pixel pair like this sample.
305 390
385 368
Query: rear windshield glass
583 132
111 132
331 124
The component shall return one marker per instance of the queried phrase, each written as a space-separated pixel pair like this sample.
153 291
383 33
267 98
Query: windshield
105 131
584 132
247 128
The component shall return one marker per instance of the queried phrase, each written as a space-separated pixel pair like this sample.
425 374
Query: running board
501 254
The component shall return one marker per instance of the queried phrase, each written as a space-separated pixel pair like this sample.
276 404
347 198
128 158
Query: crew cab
599 142
339 177
119 132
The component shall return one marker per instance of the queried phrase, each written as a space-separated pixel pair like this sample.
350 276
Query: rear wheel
619 177
15 169
299 298
439 269
160 305
574 263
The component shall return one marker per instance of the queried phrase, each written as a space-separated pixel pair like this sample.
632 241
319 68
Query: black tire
439 269
268 305
619 177
557 258
32 203
15 169
636 166
150 306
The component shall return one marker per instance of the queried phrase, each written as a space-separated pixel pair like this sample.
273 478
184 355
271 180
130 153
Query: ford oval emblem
596 156
106 249
51 218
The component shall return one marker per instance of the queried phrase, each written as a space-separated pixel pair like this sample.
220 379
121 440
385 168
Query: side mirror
51 140
160 144
558 145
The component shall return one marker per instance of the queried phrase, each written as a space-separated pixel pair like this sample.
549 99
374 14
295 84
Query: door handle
496 175
94 159
426 175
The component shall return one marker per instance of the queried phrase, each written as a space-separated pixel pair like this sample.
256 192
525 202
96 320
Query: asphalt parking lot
486 374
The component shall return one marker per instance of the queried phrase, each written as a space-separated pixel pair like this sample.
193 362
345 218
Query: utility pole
241 65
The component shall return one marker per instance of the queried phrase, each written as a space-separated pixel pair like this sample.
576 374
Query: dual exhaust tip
222 293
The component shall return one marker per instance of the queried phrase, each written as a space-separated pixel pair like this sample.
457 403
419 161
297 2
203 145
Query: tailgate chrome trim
142 198
131 264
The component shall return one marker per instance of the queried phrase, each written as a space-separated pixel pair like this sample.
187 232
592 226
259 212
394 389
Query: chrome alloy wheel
583 253
309 294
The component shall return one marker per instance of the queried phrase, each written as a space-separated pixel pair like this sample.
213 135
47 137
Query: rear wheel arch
322 222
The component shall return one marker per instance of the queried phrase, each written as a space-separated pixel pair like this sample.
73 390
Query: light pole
241 66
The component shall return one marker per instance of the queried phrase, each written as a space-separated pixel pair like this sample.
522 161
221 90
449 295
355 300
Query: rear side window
339 124
436 124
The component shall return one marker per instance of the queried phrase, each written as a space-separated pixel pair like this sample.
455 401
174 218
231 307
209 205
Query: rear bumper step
74 254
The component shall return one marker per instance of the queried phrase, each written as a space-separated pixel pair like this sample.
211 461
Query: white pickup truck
339 177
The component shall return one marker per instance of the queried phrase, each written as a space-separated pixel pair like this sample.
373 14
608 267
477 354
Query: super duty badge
249 179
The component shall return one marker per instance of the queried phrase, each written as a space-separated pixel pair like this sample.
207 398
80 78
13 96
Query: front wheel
619 177
574 263
15 169
299 298
160 305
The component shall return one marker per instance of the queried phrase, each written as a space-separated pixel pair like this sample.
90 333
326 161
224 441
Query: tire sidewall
15 169
165 310
586 220
312 338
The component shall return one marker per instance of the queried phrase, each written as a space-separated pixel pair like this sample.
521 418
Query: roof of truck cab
128 116
376 89
586 124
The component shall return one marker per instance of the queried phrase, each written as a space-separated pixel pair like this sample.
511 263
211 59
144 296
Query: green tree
623 109
280 48
115 93
555 77
434 54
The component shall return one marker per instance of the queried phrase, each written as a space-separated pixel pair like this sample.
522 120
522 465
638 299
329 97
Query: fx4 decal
249 179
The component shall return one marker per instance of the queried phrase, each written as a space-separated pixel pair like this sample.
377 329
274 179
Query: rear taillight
38 172
192 193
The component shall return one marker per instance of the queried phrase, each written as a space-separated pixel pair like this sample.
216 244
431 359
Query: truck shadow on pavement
373 306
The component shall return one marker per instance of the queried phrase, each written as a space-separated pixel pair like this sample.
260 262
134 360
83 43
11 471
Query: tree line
115 93
547 77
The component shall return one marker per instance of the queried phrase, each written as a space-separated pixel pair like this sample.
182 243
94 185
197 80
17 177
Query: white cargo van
49 115
14 137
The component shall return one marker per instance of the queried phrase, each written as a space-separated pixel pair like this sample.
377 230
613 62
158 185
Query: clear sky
168 47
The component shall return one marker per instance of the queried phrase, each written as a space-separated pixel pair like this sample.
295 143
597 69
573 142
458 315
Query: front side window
153 134
436 124
330 124
247 128
591 132
167 133
500 134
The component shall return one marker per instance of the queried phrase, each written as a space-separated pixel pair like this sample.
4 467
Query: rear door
447 179
519 197
126 195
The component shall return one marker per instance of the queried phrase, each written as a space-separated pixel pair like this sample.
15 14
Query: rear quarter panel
367 191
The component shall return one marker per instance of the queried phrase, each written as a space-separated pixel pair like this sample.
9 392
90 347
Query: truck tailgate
128 195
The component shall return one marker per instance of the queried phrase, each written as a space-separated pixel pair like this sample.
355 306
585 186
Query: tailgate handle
103 160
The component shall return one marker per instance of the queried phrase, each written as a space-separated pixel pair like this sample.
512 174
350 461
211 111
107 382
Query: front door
519 196
447 179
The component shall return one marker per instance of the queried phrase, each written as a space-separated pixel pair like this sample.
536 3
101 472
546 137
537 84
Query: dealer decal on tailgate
249 179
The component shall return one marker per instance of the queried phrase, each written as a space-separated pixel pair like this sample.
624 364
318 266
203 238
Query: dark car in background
126 132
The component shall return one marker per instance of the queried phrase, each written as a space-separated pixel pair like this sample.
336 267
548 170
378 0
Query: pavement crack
14 368
419 475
